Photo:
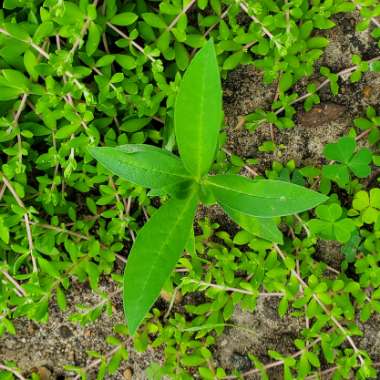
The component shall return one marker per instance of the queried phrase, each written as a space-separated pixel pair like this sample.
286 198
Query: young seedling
251 203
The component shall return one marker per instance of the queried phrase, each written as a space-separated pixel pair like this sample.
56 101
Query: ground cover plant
78 79
197 119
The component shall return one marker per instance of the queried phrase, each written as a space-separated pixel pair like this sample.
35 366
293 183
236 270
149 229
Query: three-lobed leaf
262 198
143 165
198 112
157 248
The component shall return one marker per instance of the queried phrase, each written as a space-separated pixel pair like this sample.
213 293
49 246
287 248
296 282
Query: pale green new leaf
265 228
198 111
143 165
262 198
157 248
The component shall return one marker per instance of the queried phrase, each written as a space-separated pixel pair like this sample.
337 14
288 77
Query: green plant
345 160
159 244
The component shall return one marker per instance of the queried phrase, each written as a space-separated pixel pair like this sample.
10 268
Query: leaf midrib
150 169
240 192
159 254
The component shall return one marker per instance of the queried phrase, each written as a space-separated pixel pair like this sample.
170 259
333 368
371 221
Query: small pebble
44 373
127 374
65 331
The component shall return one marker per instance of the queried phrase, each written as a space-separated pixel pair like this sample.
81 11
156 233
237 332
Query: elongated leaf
144 165
262 198
198 111
154 254
265 228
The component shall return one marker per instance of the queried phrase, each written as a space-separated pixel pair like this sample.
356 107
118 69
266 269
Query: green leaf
126 61
93 39
66 131
134 124
286 81
124 19
7 93
233 60
154 20
317 42
337 173
143 165
262 198
14 79
157 248
330 212
341 151
261 227
359 164
198 111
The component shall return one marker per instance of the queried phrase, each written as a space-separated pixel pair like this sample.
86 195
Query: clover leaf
348 161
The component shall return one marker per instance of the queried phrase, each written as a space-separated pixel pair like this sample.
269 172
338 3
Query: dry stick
324 308
135 44
13 371
26 219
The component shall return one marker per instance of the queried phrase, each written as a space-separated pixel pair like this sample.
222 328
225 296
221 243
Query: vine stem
98 361
324 308
175 20
82 32
236 290
373 19
244 7
273 364
26 219
135 44
246 167
18 289
341 73
74 234
13 371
